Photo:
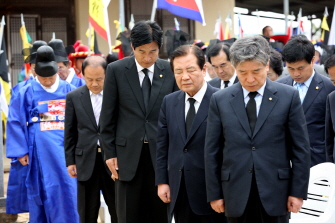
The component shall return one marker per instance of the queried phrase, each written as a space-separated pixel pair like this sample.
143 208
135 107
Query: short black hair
298 48
265 29
184 50
276 62
216 49
95 61
111 57
145 32
329 63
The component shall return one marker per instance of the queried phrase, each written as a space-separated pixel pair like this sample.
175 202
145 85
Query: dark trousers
183 213
89 193
254 211
137 200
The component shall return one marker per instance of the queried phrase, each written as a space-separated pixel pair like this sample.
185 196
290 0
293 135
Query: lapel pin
317 88
270 99
161 75
34 119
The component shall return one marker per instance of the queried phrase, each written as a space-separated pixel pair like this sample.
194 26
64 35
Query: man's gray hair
252 48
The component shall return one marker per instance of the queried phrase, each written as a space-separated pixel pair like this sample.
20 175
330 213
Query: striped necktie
97 101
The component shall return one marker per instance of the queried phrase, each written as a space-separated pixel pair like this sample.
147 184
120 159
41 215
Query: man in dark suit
218 57
84 158
180 168
134 89
330 112
255 130
313 91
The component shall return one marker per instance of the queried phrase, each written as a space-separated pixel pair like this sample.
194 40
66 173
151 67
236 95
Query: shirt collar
259 91
53 87
199 95
140 68
308 82
70 76
101 92
231 80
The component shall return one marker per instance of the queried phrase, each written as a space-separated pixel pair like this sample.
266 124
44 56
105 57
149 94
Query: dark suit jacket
216 82
176 151
330 127
123 120
280 136
81 132
314 106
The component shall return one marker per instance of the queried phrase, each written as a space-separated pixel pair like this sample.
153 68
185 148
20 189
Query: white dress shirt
92 102
304 87
53 87
141 74
258 98
231 81
197 97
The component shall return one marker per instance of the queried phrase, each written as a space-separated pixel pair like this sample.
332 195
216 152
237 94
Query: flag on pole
4 79
93 42
324 24
98 17
289 31
228 27
240 30
331 39
26 39
218 31
191 9
131 22
300 26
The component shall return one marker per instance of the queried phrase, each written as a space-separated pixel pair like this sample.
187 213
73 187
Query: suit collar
268 102
202 112
314 89
85 99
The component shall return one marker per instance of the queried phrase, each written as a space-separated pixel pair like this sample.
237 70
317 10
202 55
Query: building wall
212 9
81 8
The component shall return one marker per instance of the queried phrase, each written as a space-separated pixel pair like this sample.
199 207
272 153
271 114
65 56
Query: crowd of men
159 141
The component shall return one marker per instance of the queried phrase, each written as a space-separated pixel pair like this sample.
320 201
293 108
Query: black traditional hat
59 50
30 53
46 65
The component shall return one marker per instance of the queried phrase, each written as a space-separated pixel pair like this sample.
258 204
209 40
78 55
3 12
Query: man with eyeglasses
218 57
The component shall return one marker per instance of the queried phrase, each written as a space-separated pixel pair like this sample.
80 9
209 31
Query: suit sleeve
70 131
162 147
300 151
213 152
108 117
329 133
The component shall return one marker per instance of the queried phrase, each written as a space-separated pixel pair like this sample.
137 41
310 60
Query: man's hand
294 204
24 160
113 167
164 192
72 170
218 205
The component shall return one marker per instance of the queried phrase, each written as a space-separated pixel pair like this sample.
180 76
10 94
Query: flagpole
286 12
121 8
2 27
106 2
89 38
331 38
153 11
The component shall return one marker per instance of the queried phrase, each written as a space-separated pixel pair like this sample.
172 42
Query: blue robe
77 82
52 193
17 201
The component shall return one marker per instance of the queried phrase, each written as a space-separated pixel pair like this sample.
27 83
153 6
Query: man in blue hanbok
65 71
35 137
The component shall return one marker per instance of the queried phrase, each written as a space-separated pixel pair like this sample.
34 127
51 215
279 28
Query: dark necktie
226 84
252 110
146 89
190 115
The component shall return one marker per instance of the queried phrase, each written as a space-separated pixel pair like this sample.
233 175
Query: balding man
84 157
